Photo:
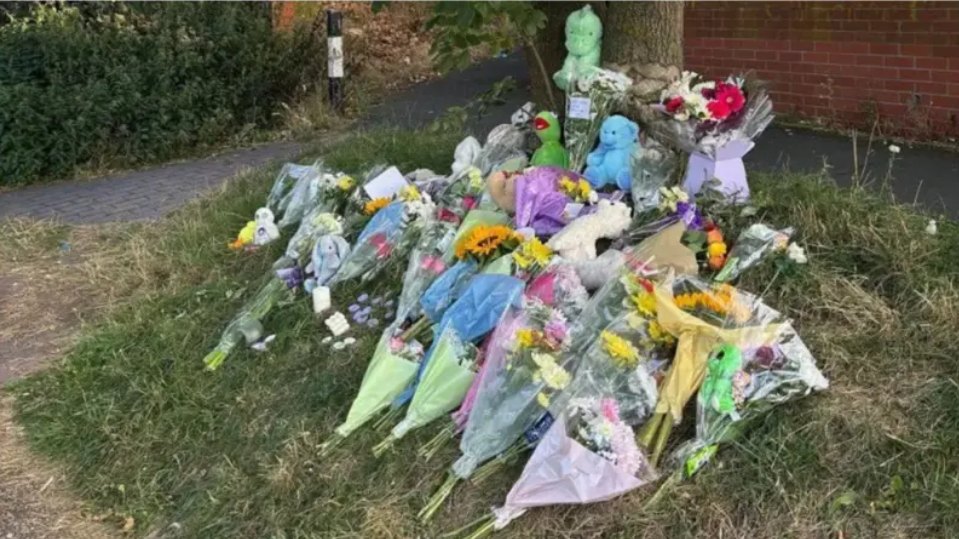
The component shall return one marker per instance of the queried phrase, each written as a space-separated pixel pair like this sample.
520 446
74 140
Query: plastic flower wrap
392 368
749 379
651 168
294 191
525 367
430 257
246 324
548 198
701 316
589 101
447 368
752 245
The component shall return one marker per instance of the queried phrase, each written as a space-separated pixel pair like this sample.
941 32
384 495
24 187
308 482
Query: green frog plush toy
584 41
546 126
717 389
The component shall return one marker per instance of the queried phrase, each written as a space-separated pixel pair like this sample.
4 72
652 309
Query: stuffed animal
465 155
584 42
245 237
266 230
328 254
546 126
609 162
598 271
502 189
577 240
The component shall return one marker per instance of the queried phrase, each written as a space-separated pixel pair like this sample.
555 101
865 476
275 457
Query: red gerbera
731 95
718 109
674 104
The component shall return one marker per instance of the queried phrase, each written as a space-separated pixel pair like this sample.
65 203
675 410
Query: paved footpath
152 193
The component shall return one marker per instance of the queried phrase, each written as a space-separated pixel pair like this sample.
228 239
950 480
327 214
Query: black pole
334 47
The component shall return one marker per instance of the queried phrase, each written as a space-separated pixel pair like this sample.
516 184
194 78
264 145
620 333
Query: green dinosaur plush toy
546 126
584 41
717 389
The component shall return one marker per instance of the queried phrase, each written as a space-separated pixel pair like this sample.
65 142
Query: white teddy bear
577 240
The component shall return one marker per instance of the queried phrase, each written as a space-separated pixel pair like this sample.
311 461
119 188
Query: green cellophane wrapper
386 377
500 266
605 91
479 217
444 384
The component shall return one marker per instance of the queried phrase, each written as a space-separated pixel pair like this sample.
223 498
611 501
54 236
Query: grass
146 433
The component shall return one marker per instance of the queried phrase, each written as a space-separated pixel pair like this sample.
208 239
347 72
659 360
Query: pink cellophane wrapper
727 167
494 356
563 471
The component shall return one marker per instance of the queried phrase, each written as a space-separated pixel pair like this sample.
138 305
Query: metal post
334 47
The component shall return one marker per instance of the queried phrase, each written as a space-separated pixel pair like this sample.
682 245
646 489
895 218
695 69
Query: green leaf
845 499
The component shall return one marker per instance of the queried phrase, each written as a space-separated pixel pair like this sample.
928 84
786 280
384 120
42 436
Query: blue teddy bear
609 162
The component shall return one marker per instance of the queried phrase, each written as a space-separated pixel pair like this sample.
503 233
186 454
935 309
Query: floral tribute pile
541 316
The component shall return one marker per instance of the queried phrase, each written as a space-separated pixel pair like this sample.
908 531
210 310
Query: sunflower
483 241
376 205
532 252
624 354
526 338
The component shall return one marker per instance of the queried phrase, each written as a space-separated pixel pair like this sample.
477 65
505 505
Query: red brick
900 61
776 44
946 52
950 102
826 46
880 96
916 50
932 63
884 48
744 54
845 59
815 57
884 26
899 85
946 76
915 74
870 60
768 55
801 45
855 48
954 89
841 103
936 88
788 56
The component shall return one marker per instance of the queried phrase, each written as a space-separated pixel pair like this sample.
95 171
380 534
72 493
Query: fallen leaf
128 524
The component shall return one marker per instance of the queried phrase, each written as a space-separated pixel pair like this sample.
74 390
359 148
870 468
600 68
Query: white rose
796 253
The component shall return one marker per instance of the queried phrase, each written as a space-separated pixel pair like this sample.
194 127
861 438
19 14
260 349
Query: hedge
138 82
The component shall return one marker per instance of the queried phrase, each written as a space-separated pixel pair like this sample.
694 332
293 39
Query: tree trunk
550 43
645 41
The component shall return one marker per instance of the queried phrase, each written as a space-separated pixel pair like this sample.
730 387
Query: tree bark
645 41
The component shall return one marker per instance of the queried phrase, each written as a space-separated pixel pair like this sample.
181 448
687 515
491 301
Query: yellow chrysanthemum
542 399
532 252
585 189
550 372
645 303
624 354
526 338
410 193
660 335
483 240
376 205
345 183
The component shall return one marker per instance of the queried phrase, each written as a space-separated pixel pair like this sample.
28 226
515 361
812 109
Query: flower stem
430 448
387 419
328 446
648 433
440 496
504 459
661 439
415 329
484 530
484 520
383 446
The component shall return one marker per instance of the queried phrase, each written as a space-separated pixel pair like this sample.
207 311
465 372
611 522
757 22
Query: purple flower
353 308
291 277
363 298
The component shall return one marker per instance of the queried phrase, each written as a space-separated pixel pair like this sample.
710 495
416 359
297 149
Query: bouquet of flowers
447 370
716 122
753 244
743 382
651 169
590 99
392 368
290 194
246 324
525 367
548 198
701 316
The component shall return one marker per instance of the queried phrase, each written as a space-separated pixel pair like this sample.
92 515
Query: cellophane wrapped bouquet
704 116
590 99
525 367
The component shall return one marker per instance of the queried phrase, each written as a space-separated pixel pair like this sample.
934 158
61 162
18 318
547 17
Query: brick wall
845 62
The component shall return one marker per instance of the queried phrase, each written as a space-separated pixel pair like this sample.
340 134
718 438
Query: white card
573 210
579 108
386 184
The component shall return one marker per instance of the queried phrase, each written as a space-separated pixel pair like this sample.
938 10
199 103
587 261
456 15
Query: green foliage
461 25
132 83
